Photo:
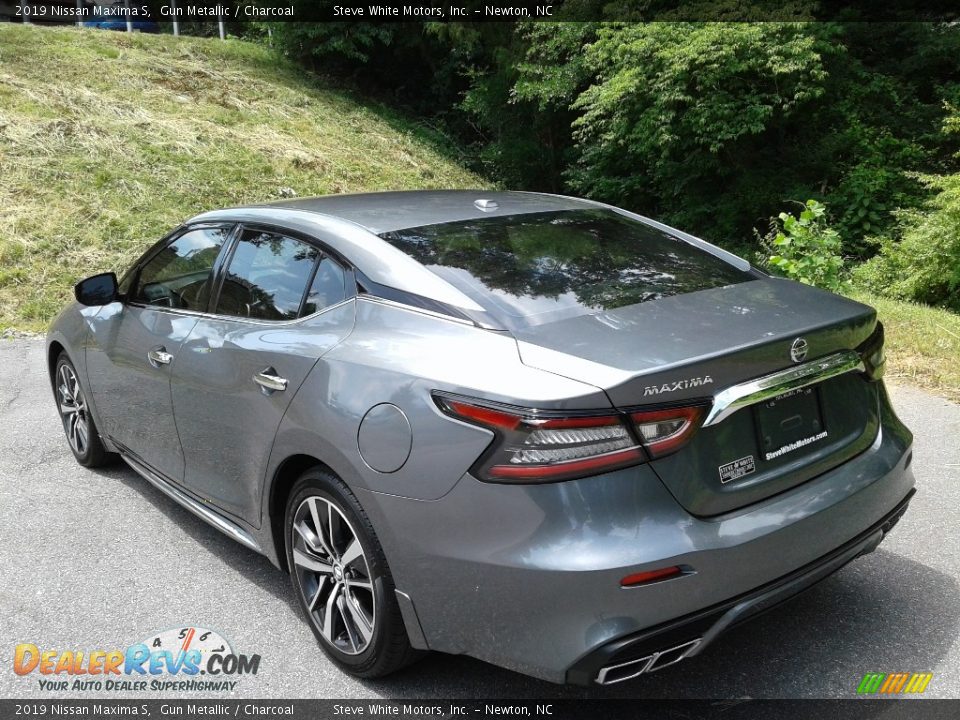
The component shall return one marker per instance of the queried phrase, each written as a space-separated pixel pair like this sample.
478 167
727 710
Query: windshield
539 267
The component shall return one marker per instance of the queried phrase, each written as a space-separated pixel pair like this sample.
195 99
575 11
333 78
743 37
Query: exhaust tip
620 672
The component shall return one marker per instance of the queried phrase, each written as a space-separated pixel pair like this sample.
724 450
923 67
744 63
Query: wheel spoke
360 584
67 409
328 613
312 504
359 619
72 432
333 542
64 388
65 382
81 426
309 538
318 526
303 533
347 624
312 606
305 561
352 552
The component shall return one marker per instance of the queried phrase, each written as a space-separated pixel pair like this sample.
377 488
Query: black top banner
502 11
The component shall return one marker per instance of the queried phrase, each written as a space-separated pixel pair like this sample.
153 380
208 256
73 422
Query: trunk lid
687 348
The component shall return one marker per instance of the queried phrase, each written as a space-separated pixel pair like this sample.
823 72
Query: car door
282 303
135 343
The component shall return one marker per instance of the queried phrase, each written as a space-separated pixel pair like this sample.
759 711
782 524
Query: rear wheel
341 578
78 423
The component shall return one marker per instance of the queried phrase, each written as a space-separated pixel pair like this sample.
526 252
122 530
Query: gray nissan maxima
541 431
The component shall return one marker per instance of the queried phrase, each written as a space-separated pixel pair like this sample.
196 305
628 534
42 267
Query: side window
328 287
267 276
181 275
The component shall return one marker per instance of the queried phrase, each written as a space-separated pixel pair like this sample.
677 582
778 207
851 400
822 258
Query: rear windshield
535 268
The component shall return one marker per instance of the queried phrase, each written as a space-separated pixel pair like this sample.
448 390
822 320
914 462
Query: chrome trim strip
204 513
728 401
237 318
413 308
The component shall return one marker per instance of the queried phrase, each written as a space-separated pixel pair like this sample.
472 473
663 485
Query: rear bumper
658 647
528 577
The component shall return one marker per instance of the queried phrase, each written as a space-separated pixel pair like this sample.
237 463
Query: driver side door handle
159 356
269 381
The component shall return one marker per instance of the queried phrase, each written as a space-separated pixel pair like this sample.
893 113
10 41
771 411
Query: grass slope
108 140
923 344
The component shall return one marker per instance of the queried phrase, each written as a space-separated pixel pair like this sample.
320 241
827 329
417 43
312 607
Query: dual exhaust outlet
651 663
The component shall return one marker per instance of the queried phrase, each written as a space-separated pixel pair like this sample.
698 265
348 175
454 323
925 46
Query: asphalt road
100 559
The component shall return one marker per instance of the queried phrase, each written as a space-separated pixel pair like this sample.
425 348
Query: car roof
350 224
382 212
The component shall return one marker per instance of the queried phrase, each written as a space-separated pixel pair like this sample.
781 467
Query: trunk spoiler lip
728 401
540 349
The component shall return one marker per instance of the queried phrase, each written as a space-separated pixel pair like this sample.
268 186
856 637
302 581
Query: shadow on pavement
252 565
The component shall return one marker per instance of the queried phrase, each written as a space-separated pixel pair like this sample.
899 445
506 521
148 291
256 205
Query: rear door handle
270 381
159 356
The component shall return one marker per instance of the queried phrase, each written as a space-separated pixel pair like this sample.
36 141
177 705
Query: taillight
534 446
873 355
664 431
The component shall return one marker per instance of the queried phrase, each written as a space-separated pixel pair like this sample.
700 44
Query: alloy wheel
333 575
73 409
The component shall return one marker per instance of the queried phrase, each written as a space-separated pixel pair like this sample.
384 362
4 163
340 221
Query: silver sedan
541 431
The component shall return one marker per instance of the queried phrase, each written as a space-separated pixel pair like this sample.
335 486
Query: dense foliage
714 127
922 263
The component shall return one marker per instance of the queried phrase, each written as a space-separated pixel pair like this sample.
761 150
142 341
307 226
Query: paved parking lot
101 560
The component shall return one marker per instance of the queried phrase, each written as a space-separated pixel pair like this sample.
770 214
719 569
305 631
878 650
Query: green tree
715 125
920 261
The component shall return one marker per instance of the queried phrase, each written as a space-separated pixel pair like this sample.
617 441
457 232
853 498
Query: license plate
789 422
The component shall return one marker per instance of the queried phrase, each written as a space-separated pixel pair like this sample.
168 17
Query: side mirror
97 289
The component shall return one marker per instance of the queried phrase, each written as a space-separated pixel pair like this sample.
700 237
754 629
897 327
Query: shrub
805 248
924 265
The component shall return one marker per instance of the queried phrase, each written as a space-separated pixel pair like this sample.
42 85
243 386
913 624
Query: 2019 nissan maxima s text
541 431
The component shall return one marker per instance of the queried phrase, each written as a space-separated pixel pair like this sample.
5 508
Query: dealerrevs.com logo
180 659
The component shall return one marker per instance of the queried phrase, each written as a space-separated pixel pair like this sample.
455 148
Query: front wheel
341 578
78 424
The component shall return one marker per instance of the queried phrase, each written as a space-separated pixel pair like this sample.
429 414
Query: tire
365 634
73 404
